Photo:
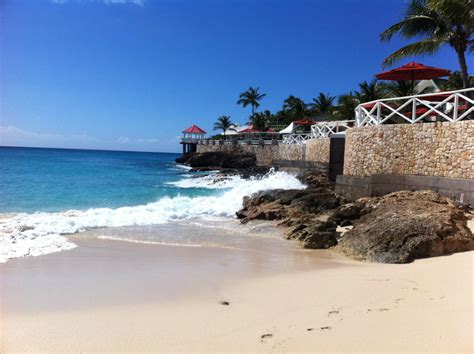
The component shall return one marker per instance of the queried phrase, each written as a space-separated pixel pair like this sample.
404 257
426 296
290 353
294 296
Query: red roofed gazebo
194 129
191 136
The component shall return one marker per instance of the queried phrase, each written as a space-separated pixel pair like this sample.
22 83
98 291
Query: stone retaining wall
438 149
318 150
353 188
269 155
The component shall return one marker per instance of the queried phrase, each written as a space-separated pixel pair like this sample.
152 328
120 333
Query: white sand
343 306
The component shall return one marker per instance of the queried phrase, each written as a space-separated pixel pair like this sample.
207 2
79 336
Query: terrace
451 106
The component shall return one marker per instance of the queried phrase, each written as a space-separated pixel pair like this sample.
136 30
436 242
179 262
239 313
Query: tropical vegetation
438 23
432 24
251 98
223 123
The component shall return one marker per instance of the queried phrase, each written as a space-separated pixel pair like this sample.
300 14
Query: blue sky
132 74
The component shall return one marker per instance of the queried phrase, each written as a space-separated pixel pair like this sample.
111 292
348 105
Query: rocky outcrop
279 204
218 159
298 209
314 234
403 226
226 162
396 228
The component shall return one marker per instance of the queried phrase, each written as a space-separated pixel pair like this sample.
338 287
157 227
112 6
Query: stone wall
318 150
271 155
438 149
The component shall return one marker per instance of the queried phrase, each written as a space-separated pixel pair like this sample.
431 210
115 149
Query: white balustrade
450 106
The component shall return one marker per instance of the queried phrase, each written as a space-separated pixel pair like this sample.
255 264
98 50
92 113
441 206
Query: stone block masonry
388 158
318 150
314 153
429 149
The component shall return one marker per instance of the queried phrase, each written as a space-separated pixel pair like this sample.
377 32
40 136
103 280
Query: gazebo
191 137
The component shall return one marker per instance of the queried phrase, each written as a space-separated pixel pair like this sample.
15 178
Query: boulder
315 179
279 204
315 234
403 226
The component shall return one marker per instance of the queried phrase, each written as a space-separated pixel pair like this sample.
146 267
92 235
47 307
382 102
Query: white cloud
106 2
149 141
15 136
126 140
123 140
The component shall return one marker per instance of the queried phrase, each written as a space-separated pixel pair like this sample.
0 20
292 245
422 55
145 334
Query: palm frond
427 46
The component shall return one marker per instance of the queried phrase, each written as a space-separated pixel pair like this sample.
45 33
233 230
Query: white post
455 108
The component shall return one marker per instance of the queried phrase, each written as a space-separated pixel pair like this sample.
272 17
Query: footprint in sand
265 337
381 310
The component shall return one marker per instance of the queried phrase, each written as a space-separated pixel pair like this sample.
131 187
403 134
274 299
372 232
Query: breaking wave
41 233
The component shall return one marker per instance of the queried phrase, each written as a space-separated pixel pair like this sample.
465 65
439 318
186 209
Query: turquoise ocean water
47 194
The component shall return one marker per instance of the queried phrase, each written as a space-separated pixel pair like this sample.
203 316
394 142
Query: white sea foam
42 233
144 242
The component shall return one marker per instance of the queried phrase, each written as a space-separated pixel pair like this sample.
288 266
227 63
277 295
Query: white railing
298 139
325 129
451 106
191 140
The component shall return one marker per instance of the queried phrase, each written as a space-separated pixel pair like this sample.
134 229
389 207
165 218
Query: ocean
47 195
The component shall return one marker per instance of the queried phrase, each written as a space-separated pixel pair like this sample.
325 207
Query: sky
132 74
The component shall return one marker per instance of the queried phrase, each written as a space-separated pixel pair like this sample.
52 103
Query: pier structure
191 137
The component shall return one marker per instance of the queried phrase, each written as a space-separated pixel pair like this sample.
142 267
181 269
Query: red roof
251 130
194 129
413 71
304 122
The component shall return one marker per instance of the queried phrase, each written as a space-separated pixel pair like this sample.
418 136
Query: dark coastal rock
315 202
183 158
220 159
278 204
316 234
315 179
403 226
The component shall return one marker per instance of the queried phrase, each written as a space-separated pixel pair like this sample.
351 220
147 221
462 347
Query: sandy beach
120 296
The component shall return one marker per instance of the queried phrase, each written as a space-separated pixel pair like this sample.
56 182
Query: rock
315 179
220 159
315 202
346 223
315 235
279 204
183 158
403 226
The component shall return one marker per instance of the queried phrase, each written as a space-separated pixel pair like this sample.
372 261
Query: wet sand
120 296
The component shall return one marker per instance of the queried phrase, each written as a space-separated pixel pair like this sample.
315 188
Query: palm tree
400 89
223 123
260 121
370 91
295 107
251 97
347 105
323 104
440 22
455 82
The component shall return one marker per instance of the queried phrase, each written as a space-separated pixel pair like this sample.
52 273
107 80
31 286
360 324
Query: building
191 137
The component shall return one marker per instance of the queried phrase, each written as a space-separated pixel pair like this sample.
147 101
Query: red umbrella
411 72
303 122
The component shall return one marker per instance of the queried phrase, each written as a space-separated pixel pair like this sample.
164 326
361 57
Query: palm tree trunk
463 65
